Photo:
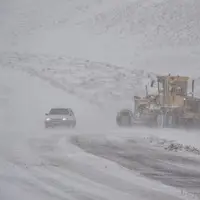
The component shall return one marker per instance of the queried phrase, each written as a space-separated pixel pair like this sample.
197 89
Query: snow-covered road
179 170
23 138
36 163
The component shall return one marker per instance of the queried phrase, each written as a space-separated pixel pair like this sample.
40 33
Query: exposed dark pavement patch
171 168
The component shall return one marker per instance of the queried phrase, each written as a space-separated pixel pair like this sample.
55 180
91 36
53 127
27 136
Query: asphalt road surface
176 169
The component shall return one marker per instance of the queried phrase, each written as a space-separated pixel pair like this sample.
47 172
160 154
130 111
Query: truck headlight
48 119
64 119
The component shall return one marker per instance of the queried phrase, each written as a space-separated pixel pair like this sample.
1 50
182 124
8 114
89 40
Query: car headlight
48 119
64 119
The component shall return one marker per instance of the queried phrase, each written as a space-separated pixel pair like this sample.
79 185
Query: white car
63 117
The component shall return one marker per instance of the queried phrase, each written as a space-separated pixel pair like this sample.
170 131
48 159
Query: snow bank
174 140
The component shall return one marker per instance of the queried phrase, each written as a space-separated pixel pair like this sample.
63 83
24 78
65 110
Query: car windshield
59 111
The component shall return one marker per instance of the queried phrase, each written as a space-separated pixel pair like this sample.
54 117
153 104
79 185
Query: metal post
146 89
192 88
133 106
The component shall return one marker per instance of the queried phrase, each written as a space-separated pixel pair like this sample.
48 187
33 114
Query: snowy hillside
104 84
136 34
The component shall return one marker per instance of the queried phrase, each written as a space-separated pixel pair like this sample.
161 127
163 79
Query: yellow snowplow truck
171 106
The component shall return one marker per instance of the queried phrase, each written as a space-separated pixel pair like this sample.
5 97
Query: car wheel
49 126
73 125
